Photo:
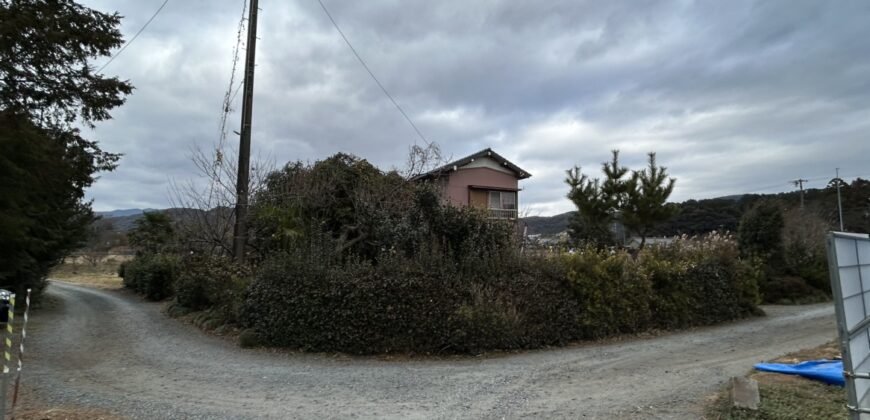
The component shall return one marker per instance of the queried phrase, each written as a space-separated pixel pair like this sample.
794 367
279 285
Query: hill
701 216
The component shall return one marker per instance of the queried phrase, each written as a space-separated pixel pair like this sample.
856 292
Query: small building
484 180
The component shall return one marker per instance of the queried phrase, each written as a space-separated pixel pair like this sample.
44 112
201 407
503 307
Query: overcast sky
736 96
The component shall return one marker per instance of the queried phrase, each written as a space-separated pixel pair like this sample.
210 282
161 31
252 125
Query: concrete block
744 392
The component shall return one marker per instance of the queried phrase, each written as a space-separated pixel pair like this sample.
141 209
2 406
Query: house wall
456 188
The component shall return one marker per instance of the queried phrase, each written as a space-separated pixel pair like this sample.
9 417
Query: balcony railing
502 213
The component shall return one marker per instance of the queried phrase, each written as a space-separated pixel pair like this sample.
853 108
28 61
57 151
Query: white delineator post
20 353
7 357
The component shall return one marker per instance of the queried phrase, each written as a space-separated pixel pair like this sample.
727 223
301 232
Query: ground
103 274
787 396
109 350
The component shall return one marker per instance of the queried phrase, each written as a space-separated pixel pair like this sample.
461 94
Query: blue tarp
827 371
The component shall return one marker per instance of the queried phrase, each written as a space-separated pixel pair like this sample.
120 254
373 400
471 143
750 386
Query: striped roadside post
20 354
7 357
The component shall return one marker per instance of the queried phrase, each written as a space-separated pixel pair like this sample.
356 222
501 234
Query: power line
127 44
366 67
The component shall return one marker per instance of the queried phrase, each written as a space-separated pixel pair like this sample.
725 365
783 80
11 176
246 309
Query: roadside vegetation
49 91
345 257
785 397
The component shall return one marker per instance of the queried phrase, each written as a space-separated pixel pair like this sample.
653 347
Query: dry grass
788 396
103 275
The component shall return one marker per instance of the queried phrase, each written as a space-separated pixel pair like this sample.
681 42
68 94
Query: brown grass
787 396
103 275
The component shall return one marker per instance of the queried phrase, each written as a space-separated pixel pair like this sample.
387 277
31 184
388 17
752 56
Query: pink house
484 179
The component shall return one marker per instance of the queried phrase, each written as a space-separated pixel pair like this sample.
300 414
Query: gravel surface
109 350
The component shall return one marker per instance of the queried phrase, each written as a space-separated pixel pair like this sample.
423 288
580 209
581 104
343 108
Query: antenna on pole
240 230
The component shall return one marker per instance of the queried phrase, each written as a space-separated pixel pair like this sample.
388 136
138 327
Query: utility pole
800 182
839 201
240 231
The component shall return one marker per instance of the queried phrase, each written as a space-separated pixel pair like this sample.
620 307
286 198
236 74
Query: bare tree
204 206
422 160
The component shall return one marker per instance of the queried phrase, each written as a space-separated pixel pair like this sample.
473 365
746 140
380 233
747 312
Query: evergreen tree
646 204
639 201
47 87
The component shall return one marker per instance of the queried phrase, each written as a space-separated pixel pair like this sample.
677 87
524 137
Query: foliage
646 206
151 275
153 233
596 201
804 248
45 164
694 281
611 290
427 302
760 232
639 201
45 52
218 283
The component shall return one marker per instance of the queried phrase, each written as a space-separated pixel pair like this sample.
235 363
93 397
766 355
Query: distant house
484 180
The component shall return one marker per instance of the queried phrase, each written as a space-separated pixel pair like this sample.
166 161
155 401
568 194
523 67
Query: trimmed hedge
426 304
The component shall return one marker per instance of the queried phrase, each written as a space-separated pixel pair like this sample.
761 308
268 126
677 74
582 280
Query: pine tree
647 195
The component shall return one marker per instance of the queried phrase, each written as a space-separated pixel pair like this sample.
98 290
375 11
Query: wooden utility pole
839 201
240 231
800 182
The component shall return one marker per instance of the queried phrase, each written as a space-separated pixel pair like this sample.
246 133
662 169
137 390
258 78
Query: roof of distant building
485 153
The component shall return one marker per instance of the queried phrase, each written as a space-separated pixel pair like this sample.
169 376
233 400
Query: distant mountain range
122 213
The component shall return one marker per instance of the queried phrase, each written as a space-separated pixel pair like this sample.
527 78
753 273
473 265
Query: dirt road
108 350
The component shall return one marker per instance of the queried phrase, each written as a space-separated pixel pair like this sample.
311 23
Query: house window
502 200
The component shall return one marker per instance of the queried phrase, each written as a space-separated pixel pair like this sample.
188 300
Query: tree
760 232
153 233
647 194
597 201
47 87
639 201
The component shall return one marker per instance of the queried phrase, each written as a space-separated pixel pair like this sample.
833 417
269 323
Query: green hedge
152 275
433 304
426 304
690 282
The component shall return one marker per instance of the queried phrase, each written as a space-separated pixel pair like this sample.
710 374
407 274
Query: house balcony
502 213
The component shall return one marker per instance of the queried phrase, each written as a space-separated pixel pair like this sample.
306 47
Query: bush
690 282
206 282
612 292
427 304
151 275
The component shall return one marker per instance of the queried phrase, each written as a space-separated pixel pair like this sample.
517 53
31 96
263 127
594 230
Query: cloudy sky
737 96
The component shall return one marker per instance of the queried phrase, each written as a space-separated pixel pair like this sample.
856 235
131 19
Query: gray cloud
734 96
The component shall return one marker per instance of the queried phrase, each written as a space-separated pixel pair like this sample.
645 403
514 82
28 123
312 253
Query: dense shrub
690 282
612 292
428 303
151 275
218 283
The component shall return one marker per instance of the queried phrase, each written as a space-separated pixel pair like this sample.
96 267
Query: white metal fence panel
849 263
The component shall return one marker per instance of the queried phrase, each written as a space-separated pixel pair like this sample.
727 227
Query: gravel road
109 350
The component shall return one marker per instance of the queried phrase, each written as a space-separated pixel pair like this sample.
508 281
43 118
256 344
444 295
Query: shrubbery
152 275
346 258
694 281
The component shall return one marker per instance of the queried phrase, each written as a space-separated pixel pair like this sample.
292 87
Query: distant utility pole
240 231
839 201
800 182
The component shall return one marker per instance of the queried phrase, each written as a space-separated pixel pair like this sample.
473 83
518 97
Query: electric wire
369 71
127 44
